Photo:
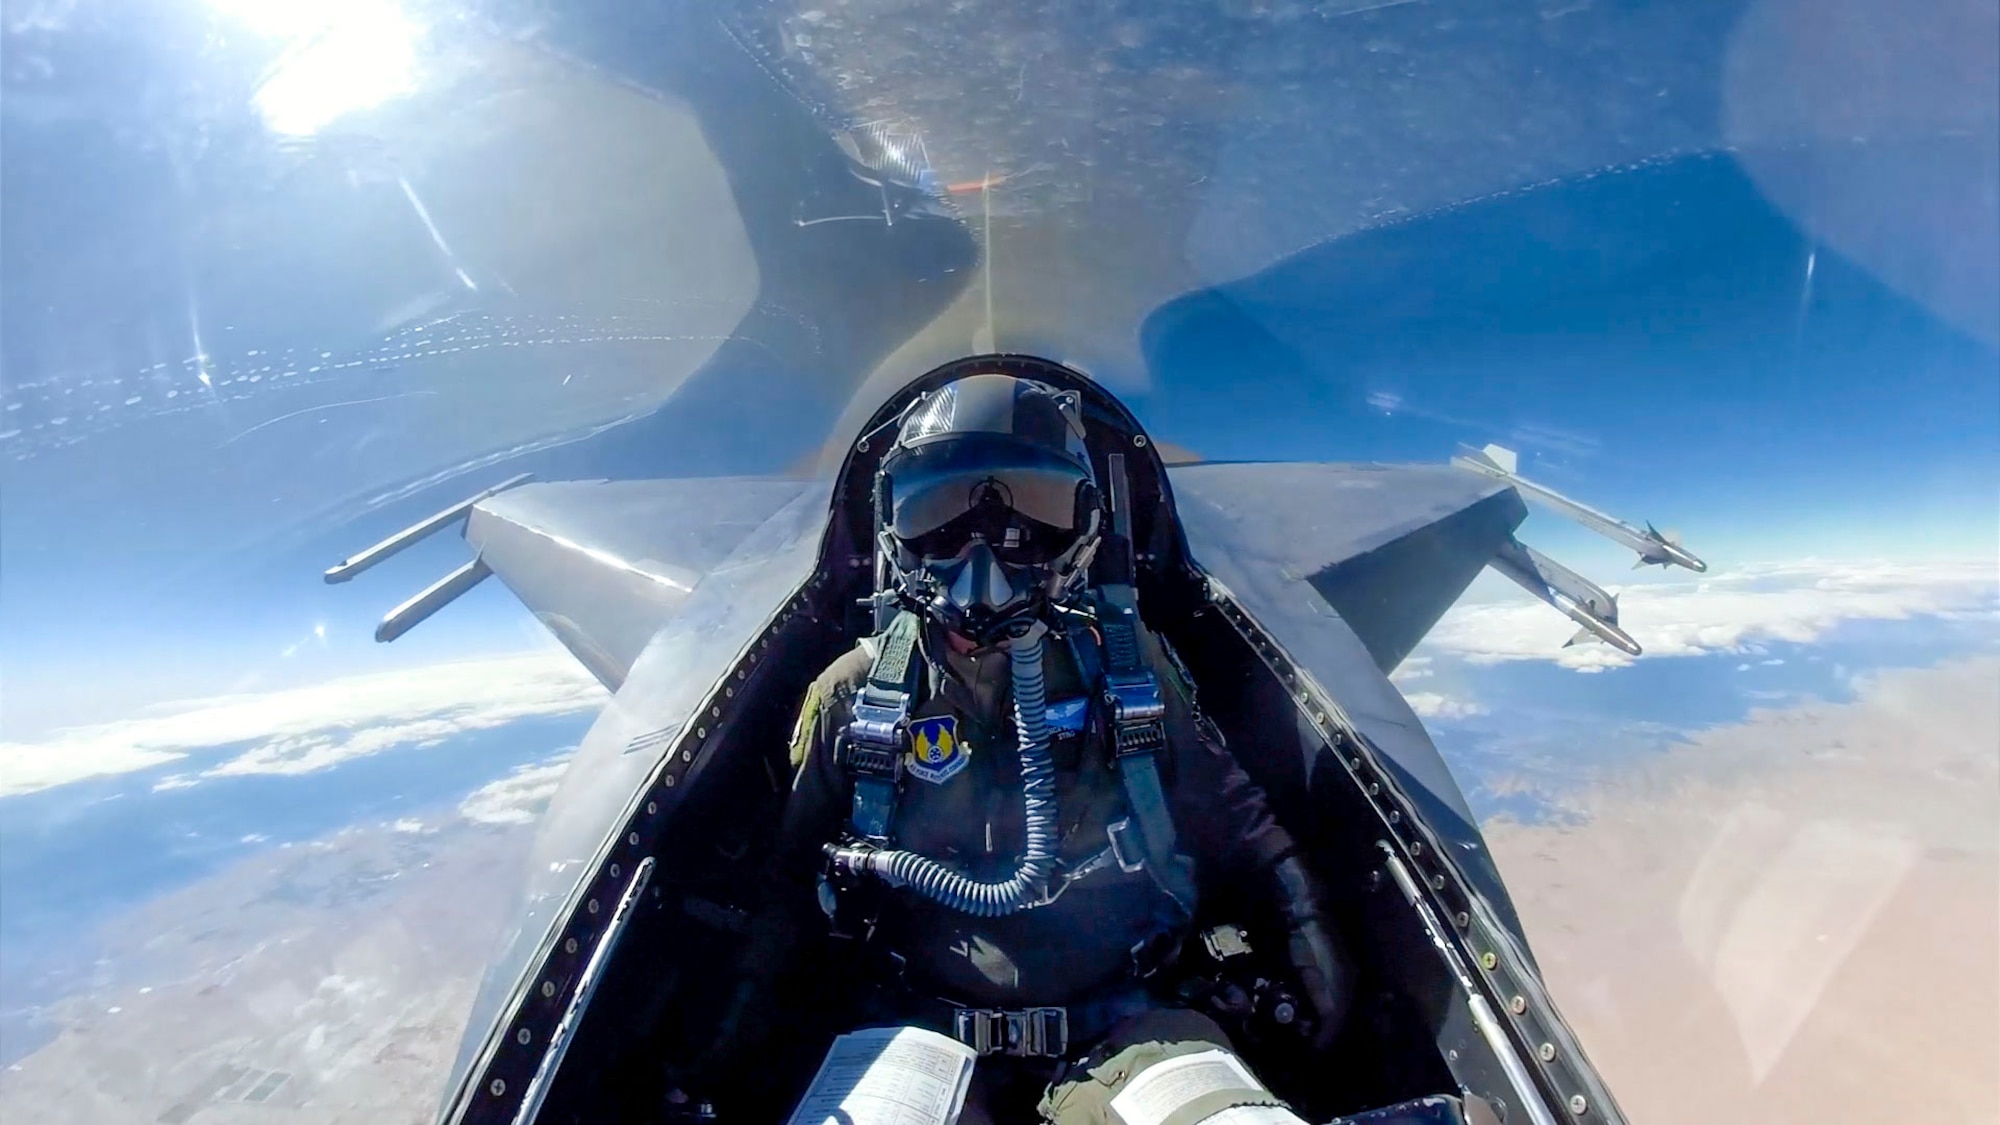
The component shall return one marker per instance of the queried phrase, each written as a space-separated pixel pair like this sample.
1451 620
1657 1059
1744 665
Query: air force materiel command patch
936 754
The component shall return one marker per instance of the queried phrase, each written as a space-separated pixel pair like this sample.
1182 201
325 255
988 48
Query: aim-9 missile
1654 548
1579 599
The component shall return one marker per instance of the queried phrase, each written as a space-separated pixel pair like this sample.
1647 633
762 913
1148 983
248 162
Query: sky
1687 354
259 317
262 308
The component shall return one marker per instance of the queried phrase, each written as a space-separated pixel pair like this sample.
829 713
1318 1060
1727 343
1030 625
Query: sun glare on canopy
336 57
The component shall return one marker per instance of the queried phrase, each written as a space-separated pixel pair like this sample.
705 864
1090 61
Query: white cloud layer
1727 612
1412 668
303 730
1432 705
517 798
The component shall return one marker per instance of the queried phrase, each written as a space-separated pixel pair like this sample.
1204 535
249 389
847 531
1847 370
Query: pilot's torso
961 803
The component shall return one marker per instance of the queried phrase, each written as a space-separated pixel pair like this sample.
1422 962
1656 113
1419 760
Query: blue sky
1648 338
238 346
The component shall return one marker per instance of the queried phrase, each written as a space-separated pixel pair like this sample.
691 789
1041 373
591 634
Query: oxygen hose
1026 887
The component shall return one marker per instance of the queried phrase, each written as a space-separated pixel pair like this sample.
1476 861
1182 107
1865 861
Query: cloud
516 798
1431 705
307 729
44 16
1729 612
1412 668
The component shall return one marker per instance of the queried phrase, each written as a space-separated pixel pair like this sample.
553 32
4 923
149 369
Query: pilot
1010 791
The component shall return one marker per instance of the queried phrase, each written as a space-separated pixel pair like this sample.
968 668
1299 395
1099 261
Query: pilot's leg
1084 1095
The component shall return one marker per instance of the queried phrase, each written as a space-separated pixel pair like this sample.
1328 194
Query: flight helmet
987 506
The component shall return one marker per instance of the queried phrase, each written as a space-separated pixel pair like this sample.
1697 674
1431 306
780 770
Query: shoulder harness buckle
877 736
1139 733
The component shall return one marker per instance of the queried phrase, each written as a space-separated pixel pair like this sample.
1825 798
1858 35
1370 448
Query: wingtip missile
430 599
347 568
1576 597
1667 551
1652 547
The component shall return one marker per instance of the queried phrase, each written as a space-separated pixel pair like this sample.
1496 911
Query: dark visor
1013 538
935 484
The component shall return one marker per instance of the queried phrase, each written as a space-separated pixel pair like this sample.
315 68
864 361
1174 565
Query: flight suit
964 807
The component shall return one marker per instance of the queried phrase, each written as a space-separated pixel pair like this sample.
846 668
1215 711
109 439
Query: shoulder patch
936 754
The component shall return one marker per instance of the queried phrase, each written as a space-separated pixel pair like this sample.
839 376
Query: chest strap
1138 734
872 747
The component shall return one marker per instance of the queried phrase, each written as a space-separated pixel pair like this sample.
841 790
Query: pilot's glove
1320 961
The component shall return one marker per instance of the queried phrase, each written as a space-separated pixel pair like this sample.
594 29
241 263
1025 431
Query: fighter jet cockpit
869 562
1266 908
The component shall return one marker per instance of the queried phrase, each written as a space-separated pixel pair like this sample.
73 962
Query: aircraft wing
602 564
1388 547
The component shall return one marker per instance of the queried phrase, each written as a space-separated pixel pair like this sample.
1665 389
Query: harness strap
1082 647
873 745
1139 733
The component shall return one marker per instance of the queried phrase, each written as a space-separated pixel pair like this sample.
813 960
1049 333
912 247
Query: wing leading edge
1389 547
603 565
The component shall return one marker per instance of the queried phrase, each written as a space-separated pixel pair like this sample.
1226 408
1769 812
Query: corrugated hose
1028 886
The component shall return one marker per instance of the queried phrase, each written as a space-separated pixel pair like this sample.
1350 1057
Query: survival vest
874 746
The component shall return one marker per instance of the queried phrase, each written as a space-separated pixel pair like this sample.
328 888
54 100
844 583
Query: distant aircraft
707 605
